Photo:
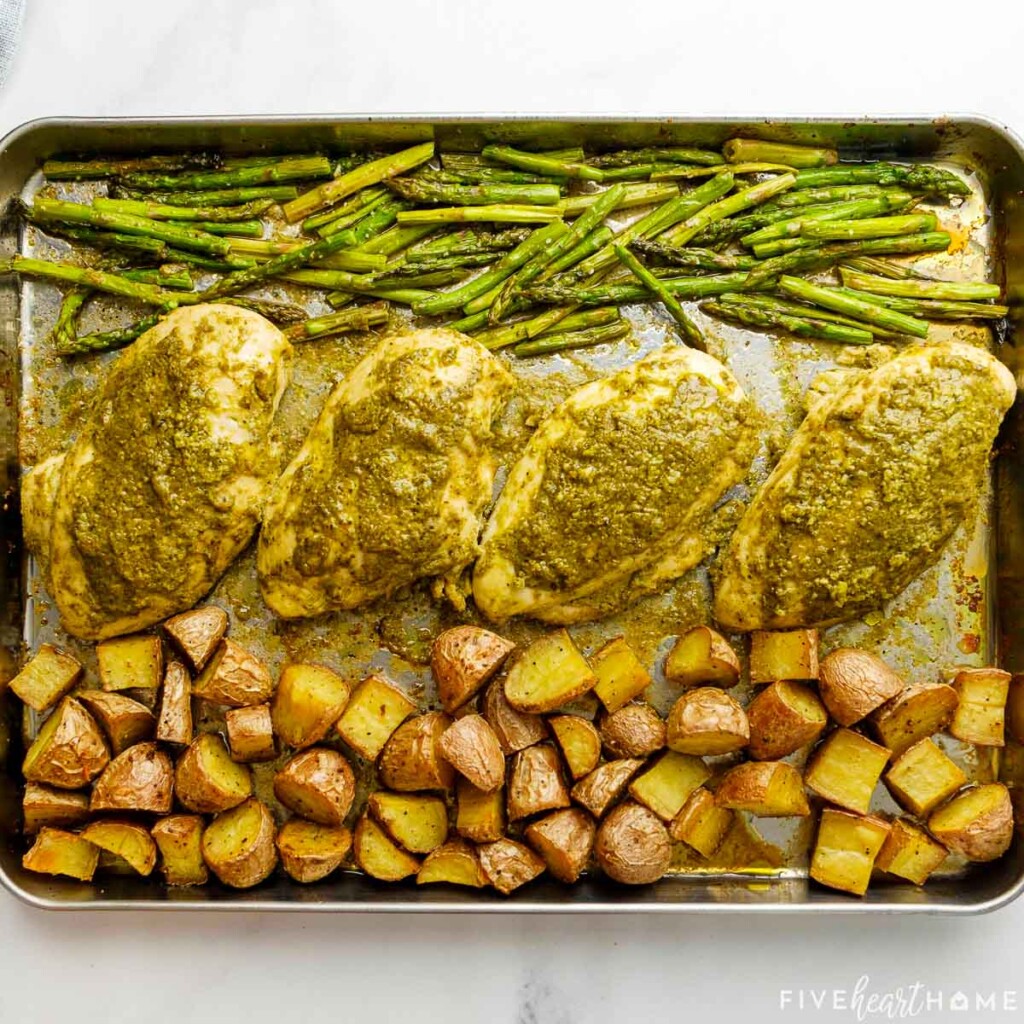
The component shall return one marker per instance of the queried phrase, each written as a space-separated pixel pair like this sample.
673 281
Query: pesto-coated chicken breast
391 481
612 493
166 482
877 478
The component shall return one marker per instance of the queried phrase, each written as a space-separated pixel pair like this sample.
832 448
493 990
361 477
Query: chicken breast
166 482
391 481
879 475
610 497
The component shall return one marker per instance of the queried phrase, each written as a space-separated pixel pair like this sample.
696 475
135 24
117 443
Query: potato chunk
535 783
69 751
853 683
50 675
179 838
139 779
702 657
234 677
197 633
922 777
620 675
471 748
977 824
845 851
564 839
56 852
250 733
132 843
463 659
43 807
846 768
374 712
318 784
508 864
479 816
417 823
175 722
666 786
549 673
910 853
378 856
308 701
791 655
125 721
768 789
516 730
784 717
701 823
310 852
914 714
605 784
633 846
455 863
238 845
579 742
207 780
706 721
635 730
411 759
131 662
981 712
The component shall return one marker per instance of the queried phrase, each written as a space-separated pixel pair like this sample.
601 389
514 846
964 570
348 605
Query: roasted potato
605 784
507 864
197 633
375 710
125 721
846 768
309 699
463 659
471 748
69 751
579 742
516 730
454 862
910 853
175 722
238 845
565 840
620 676
535 783
977 824
180 840
914 714
417 823
234 677
549 673
633 845
56 852
318 784
479 816
980 715
139 779
43 806
635 730
411 759
702 657
853 683
845 851
1015 708
784 717
922 777
707 721
250 733
791 656
666 786
378 856
310 852
130 662
132 843
768 789
701 823
50 675
207 780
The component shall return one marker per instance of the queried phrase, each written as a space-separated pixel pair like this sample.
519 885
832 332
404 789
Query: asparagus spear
617 294
831 253
469 168
956 290
886 268
832 298
92 170
177 278
367 227
924 178
632 195
423 279
371 173
160 211
361 318
933 309
100 280
559 342
468 243
235 229
645 172
282 170
395 239
658 288
805 328
743 150
773 303
230 163
512 334
538 163
428 263
65 330
828 194
682 173
423 190
697 259
852 210
467 324
870 227
656 154
211 197
593 243
504 214
347 213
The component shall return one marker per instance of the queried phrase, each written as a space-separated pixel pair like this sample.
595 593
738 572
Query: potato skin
234 677
914 714
197 633
605 784
310 852
199 787
74 754
777 729
516 730
853 683
633 845
248 862
508 864
471 748
411 759
748 786
175 722
454 862
707 721
463 659
318 784
635 730
535 783
702 657
43 806
140 779
565 840
125 721
250 733
987 836
179 837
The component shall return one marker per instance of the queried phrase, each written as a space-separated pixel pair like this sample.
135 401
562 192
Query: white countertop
119 57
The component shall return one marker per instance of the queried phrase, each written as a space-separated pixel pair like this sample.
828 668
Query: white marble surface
108 57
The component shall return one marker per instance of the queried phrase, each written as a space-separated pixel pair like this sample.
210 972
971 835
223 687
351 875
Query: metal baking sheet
959 613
